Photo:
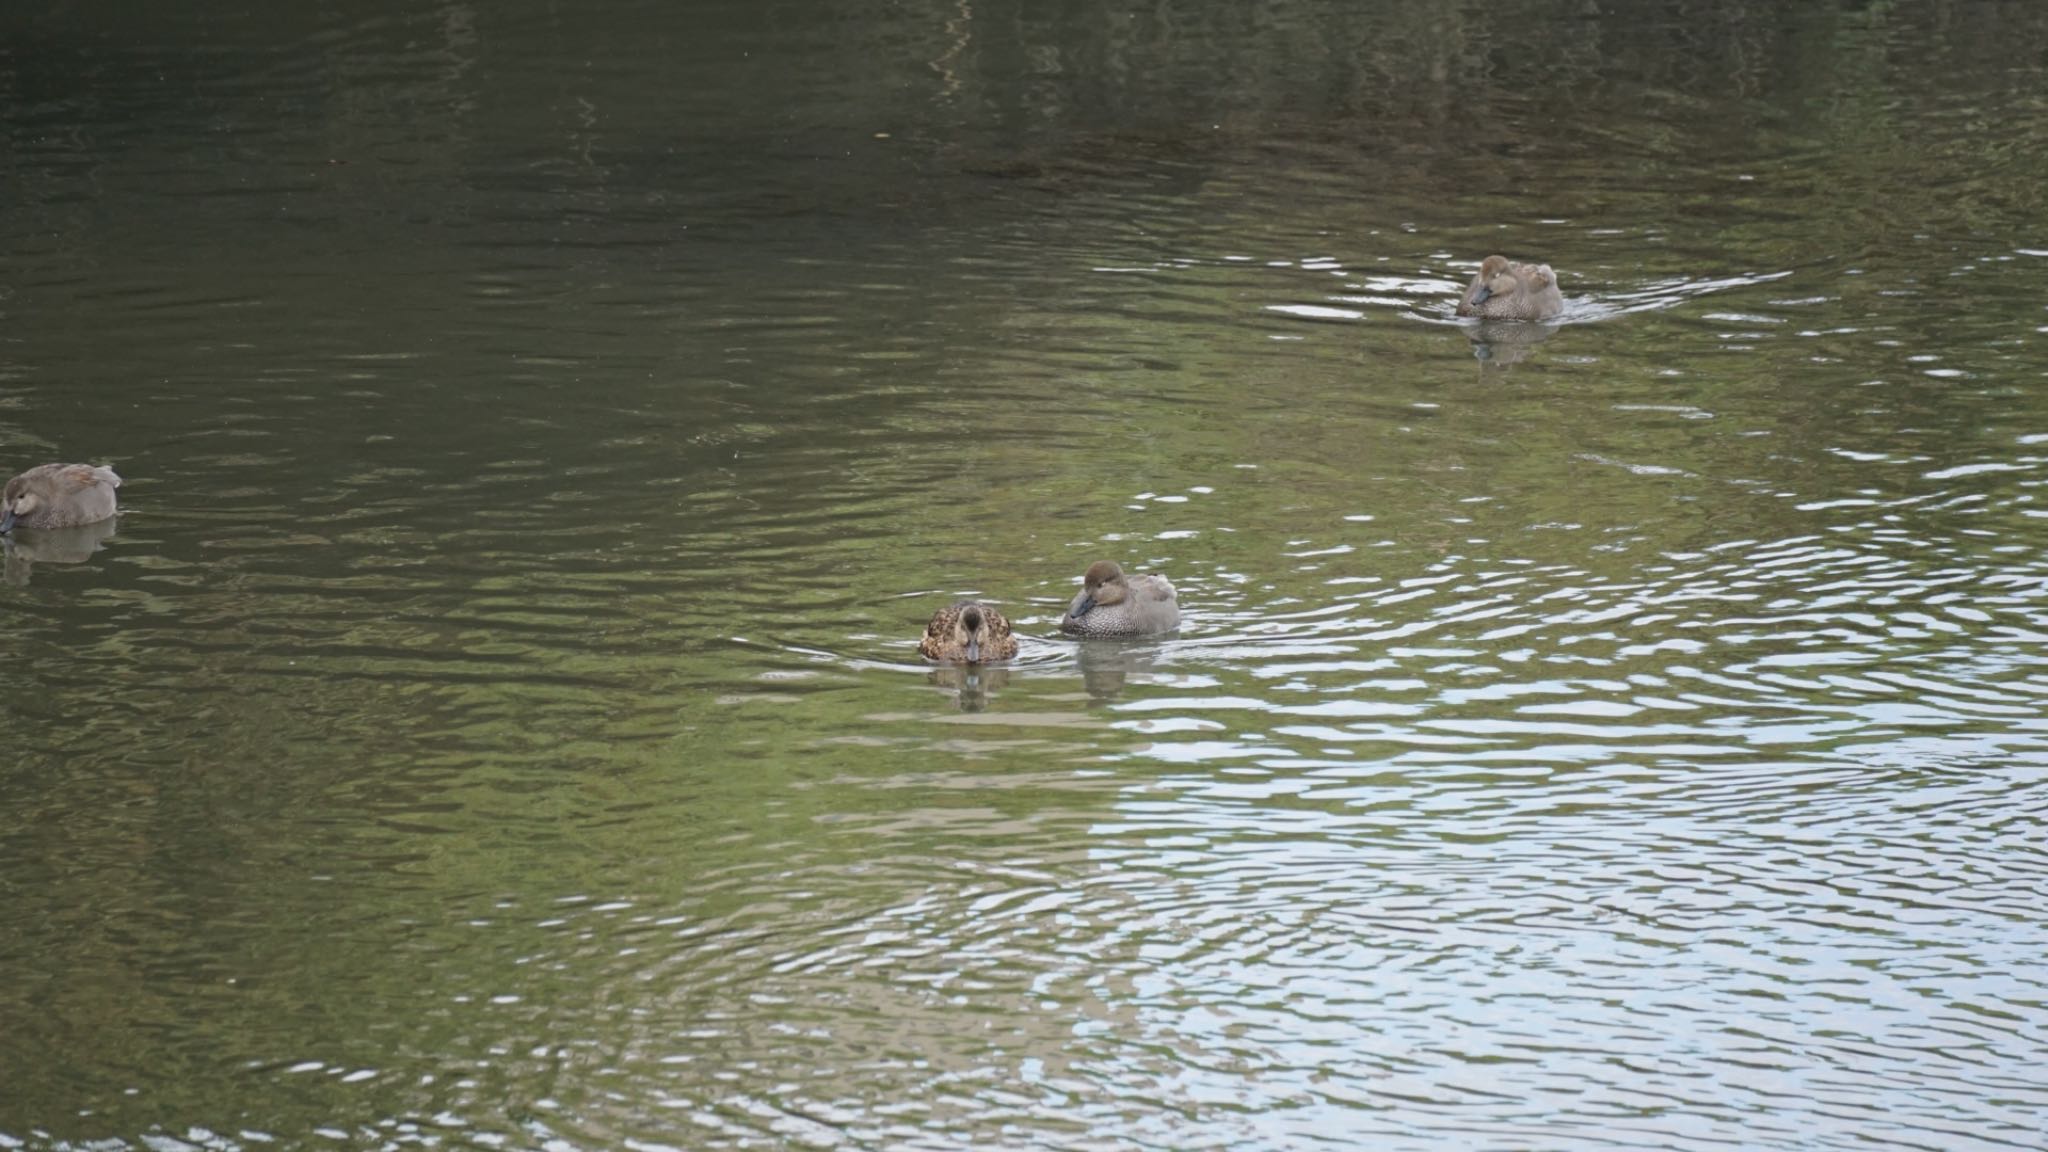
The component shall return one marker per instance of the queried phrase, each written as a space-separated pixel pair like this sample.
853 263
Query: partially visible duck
1113 604
968 632
58 496
1505 290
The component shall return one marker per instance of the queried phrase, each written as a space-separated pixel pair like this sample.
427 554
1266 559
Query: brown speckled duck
968 632
58 496
1505 290
1113 604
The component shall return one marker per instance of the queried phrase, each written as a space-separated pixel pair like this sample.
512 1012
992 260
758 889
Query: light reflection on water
496 718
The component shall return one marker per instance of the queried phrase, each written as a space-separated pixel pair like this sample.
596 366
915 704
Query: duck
1113 604
59 496
967 632
1505 290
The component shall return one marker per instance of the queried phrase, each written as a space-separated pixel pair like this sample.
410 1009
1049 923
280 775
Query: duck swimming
1505 290
1112 604
58 496
968 632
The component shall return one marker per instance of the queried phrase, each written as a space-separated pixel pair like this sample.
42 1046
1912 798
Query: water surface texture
495 719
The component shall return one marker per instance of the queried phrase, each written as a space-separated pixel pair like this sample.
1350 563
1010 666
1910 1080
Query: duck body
968 632
1505 290
1113 604
59 496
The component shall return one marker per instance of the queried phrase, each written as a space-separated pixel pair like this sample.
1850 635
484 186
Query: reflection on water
1108 665
971 685
1501 343
500 722
27 547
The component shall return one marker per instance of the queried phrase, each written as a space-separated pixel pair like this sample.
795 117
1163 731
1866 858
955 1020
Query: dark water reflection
26 548
496 718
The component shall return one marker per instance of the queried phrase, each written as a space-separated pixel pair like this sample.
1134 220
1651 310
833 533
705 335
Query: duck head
1496 278
1103 585
17 501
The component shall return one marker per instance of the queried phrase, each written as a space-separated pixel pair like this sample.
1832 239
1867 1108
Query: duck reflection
972 685
1505 342
1106 664
27 547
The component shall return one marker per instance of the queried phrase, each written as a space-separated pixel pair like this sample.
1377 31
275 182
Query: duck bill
1479 296
974 649
1082 605
6 522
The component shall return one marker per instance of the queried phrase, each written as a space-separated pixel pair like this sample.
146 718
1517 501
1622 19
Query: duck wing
1154 588
78 477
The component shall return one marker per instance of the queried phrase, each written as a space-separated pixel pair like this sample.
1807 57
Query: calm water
495 720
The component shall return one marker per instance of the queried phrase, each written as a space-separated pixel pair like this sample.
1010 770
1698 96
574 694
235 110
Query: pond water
495 719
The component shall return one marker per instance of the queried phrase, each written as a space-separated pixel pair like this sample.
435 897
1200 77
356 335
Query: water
496 720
